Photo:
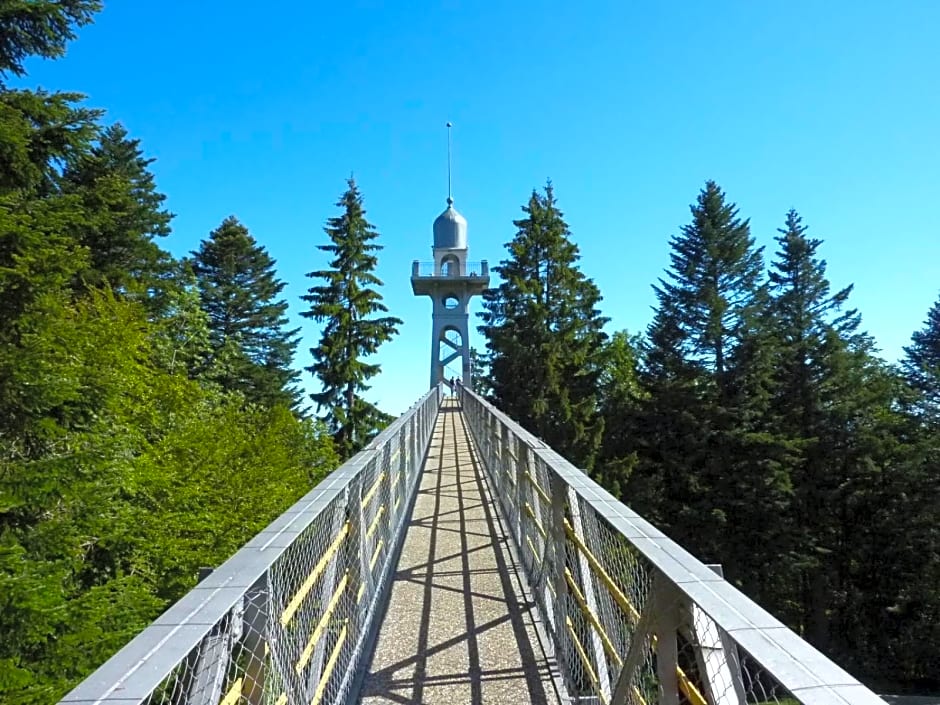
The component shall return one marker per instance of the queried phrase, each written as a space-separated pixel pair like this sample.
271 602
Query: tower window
450 267
451 302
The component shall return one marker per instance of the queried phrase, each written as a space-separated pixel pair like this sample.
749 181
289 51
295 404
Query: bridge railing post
510 468
528 555
585 580
256 620
559 541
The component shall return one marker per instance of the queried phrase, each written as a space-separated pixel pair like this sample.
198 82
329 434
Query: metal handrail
290 615
632 616
479 269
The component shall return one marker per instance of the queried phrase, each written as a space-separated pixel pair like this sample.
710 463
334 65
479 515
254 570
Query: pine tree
479 373
117 188
619 393
347 302
709 467
182 337
40 132
809 323
40 28
922 365
545 334
713 282
835 402
252 349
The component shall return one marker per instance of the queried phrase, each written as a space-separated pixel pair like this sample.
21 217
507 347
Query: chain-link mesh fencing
630 615
290 617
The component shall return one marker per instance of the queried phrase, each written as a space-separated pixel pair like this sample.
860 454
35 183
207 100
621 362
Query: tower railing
288 618
428 269
630 615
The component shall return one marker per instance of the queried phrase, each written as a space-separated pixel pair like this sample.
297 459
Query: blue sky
262 111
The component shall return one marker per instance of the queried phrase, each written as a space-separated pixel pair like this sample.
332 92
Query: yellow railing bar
585 660
538 524
689 690
375 554
375 522
330 665
281 699
592 618
538 488
298 598
234 693
321 625
602 575
685 683
372 490
535 554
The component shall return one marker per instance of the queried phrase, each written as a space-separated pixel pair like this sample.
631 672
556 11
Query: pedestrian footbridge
458 559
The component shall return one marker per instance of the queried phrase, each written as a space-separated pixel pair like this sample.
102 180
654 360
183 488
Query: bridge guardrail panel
631 615
288 618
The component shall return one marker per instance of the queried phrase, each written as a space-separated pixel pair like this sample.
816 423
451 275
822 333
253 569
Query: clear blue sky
261 110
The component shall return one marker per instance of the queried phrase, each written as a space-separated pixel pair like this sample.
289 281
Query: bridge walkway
457 628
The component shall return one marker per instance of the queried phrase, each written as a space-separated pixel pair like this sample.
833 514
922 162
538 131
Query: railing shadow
466 549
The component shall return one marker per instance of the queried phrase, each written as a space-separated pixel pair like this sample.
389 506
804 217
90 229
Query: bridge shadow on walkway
457 629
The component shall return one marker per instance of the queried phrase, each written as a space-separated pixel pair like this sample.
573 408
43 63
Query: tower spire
450 195
451 282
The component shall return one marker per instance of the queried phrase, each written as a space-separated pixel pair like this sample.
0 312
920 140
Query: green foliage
347 302
545 335
479 373
702 431
120 472
922 366
134 478
39 27
712 285
620 393
251 347
182 336
125 211
39 132
767 435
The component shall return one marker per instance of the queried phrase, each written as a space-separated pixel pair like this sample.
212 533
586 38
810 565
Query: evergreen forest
753 421
152 419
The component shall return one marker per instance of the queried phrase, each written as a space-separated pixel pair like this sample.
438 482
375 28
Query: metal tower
450 280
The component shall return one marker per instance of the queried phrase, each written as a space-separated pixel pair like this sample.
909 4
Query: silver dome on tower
450 229
450 281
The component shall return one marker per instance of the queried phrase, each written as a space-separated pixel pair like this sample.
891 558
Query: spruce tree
711 293
835 402
809 322
619 395
117 188
545 334
252 348
347 302
709 467
40 28
41 131
922 365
